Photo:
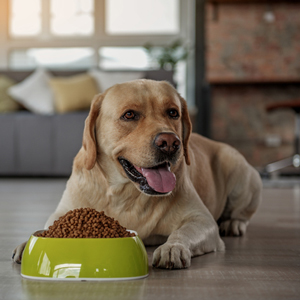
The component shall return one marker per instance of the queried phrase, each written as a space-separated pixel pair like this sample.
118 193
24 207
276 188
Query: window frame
97 40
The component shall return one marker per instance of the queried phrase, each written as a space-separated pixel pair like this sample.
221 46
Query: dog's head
143 126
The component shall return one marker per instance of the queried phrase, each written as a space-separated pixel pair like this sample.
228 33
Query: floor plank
265 264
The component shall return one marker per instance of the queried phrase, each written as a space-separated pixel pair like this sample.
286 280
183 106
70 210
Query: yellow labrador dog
141 165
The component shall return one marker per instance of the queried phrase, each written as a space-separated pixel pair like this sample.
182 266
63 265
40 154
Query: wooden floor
265 264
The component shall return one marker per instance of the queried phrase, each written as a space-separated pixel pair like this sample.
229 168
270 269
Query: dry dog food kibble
85 223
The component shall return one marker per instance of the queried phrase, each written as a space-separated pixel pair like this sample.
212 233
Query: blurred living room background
230 59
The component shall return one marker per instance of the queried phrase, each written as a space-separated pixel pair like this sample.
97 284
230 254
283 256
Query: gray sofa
39 145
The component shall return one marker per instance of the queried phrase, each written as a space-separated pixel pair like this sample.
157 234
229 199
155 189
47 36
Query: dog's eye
130 115
173 113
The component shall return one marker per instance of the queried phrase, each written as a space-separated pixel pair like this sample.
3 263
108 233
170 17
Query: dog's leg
55 216
18 252
155 240
63 207
241 204
192 239
197 235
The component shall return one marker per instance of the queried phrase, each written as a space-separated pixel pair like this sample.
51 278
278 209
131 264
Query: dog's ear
89 142
186 129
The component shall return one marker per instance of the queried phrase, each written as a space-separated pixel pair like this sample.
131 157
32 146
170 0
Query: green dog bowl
84 258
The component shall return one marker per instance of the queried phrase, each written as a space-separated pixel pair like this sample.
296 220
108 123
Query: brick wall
239 118
243 44
251 43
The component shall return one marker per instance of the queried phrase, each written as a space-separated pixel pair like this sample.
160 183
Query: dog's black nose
168 143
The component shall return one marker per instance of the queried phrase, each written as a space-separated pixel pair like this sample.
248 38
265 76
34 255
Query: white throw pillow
107 79
34 93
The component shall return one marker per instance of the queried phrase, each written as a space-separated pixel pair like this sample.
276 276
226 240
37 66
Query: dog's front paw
172 256
18 252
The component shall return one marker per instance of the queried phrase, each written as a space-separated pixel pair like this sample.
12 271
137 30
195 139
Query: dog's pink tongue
161 179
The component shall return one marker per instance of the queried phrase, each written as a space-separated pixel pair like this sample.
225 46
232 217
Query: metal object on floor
295 159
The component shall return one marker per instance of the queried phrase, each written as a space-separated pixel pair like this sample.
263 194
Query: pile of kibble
85 223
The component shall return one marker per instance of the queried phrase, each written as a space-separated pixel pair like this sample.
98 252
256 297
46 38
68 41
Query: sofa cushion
34 92
73 93
7 103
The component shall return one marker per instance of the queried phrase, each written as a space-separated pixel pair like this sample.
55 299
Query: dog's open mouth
158 180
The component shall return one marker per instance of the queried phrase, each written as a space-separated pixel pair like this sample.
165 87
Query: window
142 17
89 25
124 58
63 17
20 13
72 17
82 34
55 58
